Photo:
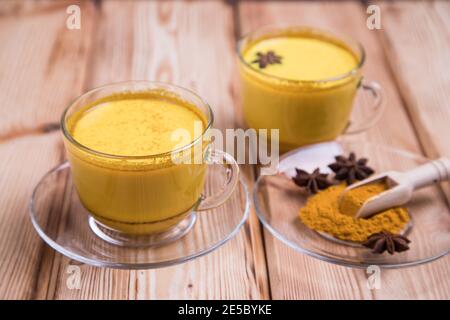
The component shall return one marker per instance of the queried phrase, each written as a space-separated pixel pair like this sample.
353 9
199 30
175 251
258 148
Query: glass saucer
64 224
277 202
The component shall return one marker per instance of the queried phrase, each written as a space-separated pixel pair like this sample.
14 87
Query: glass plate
277 202
63 223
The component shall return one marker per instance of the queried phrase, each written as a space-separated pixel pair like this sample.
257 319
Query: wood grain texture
181 43
43 66
416 36
295 276
23 162
20 8
41 70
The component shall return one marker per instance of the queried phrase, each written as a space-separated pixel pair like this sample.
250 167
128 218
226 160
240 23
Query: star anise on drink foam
268 58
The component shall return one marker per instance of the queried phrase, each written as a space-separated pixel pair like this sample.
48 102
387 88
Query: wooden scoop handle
432 172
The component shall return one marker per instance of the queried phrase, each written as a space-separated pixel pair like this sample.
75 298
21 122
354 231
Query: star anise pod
386 241
350 169
268 58
313 182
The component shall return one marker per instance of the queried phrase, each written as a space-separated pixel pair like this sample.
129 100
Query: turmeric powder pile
322 213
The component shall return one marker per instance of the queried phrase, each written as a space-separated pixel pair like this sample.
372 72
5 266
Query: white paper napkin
310 157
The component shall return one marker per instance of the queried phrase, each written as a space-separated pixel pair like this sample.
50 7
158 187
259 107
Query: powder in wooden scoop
354 199
322 213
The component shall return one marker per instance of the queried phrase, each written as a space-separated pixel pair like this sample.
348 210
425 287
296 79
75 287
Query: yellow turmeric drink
300 81
122 160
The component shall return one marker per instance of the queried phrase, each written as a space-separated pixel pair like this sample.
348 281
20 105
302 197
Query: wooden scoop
401 186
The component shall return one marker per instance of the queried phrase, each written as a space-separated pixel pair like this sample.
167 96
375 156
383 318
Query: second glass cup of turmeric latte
303 81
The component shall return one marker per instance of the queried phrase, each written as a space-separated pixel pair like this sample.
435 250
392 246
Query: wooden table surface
44 65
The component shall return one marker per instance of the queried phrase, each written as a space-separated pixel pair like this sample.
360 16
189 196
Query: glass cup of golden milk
138 153
303 81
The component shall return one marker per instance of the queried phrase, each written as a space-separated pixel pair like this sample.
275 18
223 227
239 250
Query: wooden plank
416 38
295 276
23 162
416 41
183 43
41 69
24 7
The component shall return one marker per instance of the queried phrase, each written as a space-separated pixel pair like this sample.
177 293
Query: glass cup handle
231 167
376 110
